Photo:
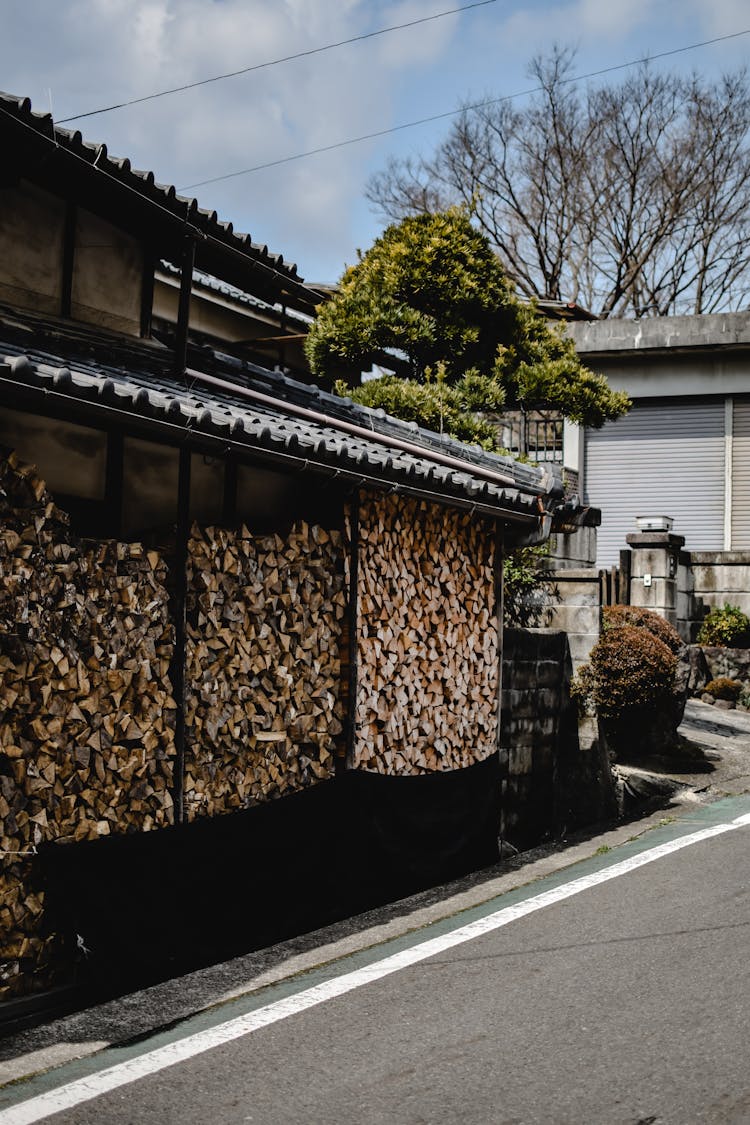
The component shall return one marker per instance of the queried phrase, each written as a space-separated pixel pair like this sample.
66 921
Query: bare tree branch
633 199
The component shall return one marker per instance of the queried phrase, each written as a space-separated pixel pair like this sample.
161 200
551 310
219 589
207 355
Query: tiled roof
234 294
233 404
20 125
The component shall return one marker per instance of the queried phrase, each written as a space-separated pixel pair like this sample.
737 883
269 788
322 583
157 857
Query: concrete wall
572 549
709 579
668 356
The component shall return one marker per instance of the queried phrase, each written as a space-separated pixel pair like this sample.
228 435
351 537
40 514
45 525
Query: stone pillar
574 604
653 575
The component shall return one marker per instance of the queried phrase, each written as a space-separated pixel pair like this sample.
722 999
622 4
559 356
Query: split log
427 644
86 711
264 708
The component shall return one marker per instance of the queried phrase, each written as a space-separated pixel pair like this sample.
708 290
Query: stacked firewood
427 655
263 709
86 712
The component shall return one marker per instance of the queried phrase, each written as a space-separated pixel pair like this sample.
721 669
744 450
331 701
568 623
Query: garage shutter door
741 477
661 459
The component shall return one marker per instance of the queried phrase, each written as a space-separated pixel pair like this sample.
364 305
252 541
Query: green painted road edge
669 828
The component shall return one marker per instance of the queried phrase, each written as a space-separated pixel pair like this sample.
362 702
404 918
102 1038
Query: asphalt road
626 1002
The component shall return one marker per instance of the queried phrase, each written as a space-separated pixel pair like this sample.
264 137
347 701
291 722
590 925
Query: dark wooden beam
113 483
68 258
180 630
353 630
187 263
147 292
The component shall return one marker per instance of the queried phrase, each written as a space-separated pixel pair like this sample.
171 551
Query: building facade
683 451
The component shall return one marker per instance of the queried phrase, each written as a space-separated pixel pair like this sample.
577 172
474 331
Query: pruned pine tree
432 290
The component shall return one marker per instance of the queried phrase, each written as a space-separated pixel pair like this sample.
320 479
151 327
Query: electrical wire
277 62
455 112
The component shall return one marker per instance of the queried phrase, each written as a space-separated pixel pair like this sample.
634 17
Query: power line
455 112
277 62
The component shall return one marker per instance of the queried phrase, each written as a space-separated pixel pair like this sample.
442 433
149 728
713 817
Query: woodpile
264 711
87 716
427 651
86 712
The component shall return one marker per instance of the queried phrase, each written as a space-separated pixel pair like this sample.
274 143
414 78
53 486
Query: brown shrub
633 672
614 616
724 688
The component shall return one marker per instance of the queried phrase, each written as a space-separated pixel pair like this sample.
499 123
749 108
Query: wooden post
183 312
180 624
68 261
113 484
499 601
626 559
353 624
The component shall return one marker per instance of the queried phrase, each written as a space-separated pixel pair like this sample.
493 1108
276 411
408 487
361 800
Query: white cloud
95 52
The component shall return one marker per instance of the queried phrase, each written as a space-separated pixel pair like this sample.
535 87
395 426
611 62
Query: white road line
151 1062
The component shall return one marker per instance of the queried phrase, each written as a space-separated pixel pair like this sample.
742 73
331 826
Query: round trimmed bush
725 628
724 688
614 616
632 673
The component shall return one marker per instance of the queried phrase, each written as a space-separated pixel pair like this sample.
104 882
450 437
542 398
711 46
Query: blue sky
82 54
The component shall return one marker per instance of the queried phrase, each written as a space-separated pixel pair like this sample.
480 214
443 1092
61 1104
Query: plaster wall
31 248
71 458
107 276
209 316
221 319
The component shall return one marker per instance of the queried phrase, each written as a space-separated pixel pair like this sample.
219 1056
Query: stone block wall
572 549
683 586
533 701
555 774
574 598
709 579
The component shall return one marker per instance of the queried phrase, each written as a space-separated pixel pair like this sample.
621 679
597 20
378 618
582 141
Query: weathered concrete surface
714 763
722 733
717 330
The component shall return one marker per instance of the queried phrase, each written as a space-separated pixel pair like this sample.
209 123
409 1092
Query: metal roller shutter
663 458
741 476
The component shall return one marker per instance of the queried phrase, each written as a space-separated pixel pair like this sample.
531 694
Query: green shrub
724 688
725 628
632 673
614 616
525 584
